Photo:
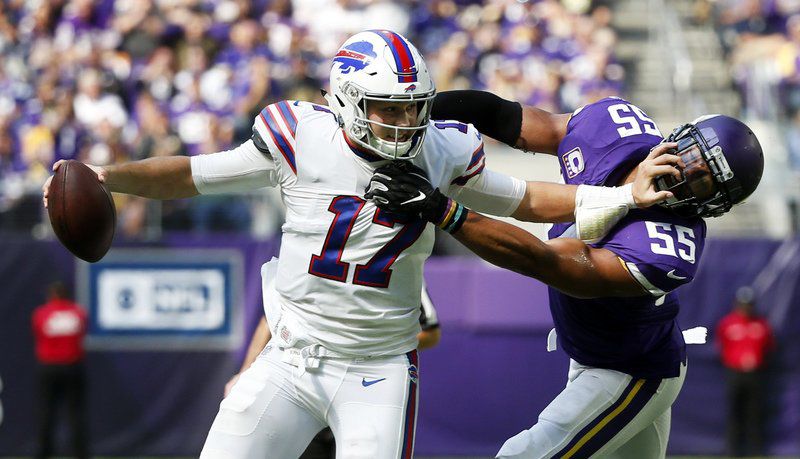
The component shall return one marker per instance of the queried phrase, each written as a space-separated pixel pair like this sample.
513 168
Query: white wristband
598 209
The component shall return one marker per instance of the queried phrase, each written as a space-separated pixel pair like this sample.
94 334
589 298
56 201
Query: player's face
698 181
401 114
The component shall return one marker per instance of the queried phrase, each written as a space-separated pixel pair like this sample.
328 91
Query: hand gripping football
81 211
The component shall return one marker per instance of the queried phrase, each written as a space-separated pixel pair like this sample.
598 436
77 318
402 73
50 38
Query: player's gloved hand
403 188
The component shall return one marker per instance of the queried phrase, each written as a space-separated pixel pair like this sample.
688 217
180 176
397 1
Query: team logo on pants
412 373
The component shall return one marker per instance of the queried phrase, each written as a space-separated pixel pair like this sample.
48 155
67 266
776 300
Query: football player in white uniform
343 302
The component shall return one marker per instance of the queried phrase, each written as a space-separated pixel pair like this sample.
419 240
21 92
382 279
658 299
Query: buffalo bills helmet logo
355 56
410 87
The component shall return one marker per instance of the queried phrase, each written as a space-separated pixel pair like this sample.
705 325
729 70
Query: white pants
601 413
275 408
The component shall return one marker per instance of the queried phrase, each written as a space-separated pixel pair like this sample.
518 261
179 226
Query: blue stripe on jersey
288 116
280 140
461 181
476 157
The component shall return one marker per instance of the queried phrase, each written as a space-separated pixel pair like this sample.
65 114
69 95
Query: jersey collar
361 152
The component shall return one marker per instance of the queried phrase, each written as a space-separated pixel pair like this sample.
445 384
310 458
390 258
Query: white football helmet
380 65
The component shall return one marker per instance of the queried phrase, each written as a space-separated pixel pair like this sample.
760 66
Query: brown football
81 211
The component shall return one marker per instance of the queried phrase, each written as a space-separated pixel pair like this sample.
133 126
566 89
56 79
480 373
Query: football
81 211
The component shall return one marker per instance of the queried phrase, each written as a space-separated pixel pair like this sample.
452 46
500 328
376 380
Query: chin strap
598 209
396 149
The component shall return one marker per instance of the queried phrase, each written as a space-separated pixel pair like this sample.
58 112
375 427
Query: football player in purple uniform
612 298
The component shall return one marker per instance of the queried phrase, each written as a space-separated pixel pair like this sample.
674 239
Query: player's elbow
526 211
581 272
542 131
177 189
186 188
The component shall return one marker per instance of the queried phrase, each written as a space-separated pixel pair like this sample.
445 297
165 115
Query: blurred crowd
115 80
762 41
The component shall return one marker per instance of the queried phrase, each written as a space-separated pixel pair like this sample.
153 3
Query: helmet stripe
403 59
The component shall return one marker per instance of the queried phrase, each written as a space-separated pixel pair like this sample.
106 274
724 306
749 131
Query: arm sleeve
493 116
241 169
657 250
490 192
657 279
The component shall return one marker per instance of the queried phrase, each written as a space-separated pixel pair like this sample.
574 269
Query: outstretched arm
568 265
552 202
168 177
524 127
245 167
396 187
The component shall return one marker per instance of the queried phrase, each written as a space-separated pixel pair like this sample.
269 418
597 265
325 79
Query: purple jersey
661 250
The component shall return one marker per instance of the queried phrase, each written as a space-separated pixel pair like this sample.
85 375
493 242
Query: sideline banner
157 298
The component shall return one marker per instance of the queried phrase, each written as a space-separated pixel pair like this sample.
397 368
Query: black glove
403 188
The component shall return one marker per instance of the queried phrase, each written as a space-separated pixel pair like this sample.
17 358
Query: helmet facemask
707 187
361 129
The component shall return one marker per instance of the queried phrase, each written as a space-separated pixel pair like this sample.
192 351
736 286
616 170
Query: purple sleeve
660 250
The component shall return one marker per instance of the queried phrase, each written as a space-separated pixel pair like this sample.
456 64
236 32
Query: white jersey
350 275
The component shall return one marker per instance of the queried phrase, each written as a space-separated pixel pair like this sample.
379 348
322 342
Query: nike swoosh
366 383
672 275
416 198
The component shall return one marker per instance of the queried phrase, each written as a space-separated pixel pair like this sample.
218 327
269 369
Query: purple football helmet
724 163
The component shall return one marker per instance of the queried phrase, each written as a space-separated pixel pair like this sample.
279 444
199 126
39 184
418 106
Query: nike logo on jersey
672 275
419 197
366 383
